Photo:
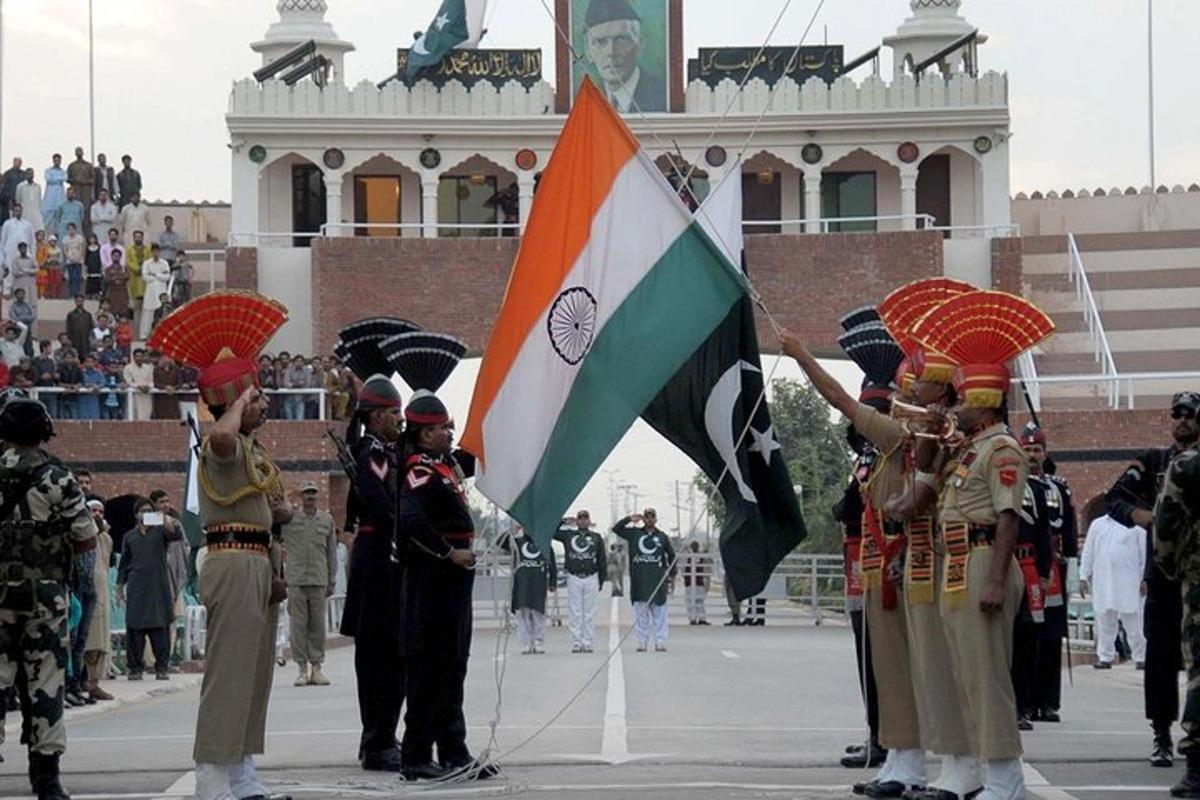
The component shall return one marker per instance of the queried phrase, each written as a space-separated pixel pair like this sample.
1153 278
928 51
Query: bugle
916 420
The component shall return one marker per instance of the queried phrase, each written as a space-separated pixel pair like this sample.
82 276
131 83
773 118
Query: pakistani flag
458 24
704 411
193 526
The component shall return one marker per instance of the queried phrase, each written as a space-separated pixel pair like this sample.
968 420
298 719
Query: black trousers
379 672
135 648
866 675
1047 682
1163 624
437 641
1024 664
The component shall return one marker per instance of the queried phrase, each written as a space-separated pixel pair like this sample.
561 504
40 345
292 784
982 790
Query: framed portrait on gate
631 50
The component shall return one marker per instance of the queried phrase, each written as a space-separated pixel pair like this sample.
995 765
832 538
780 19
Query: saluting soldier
983 485
651 564
587 568
1130 502
373 591
241 499
44 523
1177 552
437 529
534 573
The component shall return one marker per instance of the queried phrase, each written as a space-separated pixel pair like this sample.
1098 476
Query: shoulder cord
265 482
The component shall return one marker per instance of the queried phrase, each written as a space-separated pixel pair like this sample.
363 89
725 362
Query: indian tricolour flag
614 287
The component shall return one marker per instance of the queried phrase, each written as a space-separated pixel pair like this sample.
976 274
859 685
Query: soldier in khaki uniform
311 545
241 498
983 482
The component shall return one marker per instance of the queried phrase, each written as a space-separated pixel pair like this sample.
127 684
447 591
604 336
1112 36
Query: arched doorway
478 191
386 194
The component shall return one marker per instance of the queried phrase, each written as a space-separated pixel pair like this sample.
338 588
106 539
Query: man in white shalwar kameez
156 272
16 230
1113 563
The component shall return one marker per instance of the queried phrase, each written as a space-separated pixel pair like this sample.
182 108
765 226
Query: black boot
1189 785
1163 753
43 777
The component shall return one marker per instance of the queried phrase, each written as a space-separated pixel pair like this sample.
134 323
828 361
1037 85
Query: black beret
600 11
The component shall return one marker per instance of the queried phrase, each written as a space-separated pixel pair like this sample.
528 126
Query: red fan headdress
221 334
981 332
901 309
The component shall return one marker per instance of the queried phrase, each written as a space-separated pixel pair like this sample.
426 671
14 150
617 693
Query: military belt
237 537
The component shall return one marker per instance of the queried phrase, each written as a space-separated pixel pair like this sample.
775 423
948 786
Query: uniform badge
1008 476
418 479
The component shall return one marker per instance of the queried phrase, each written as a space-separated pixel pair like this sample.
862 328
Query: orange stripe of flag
594 146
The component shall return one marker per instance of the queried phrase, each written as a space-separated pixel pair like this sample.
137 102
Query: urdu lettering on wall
772 64
470 67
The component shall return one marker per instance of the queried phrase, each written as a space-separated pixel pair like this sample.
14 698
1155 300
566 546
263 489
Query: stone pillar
333 204
812 199
429 203
908 199
525 186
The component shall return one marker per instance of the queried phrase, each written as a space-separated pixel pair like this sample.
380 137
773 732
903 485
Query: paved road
726 713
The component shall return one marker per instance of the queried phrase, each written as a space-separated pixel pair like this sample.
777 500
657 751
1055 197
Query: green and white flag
458 25
192 524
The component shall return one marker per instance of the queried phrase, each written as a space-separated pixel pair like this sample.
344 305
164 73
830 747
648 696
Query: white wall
969 259
964 197
1112 213
285 274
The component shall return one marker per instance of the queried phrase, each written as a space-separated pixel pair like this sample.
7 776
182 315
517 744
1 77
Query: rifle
343 456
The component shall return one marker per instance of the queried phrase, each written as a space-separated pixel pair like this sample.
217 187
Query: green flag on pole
458 24
193 525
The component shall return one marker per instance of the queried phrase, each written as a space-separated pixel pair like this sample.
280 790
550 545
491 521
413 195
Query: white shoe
243 780
302 678
316 677
212 781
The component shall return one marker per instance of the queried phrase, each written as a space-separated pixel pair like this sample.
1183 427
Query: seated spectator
93 380
93 269
103 329
70 378
45 371
22 375
12 348
166 379
181 279
22 311
123 335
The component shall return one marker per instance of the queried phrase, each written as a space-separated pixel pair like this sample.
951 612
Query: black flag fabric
703 411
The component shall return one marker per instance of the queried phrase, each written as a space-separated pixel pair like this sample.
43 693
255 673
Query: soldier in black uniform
44 521
1035 555
373 601
1064 540
1131 502
437 531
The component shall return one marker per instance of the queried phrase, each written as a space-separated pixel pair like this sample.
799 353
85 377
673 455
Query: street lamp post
91 83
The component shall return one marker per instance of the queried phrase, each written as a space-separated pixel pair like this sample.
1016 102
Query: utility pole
678 512
1150 75
91 81
1 72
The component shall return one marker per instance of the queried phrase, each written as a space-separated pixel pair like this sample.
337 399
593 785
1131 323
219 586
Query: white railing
212 257
921 221
1004 230
1120 386
418 226
267 238
1091 317
1029 379
51 394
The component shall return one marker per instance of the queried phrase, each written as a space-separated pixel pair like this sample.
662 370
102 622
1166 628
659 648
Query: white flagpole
91 83
1 73
1150 75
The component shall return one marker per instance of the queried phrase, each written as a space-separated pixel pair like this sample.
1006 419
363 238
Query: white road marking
1037 784
614 744
184 786
730 654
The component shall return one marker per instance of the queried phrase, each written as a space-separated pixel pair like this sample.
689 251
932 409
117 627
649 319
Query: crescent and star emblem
718 422
653 540
580 544
529 551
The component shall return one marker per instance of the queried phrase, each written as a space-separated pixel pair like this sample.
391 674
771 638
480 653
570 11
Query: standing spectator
113 404
311 544
82 177
13 346
54 268
22 274
316 382
1113 562
583 559
116 284
16 232
533 573
143 581
83 591
123 334
181 279
177 561
296 377
74 251
22 376
29 195
108 354
135 218
56 180
139 375
169 241
268 379
617 565
9 182
70 378
136 254
697 569
79 326
71 212
651 564
103 215
92 380
165 307
156 273
105 179
166 381
93 269
102 331
21 311
335 391
46 371
99 636
129 181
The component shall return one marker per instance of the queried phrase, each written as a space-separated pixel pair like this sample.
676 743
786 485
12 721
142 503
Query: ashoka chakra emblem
572 323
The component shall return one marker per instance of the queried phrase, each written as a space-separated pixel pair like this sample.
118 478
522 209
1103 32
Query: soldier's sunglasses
1182 413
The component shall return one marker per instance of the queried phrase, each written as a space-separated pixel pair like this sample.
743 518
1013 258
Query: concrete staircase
1147 289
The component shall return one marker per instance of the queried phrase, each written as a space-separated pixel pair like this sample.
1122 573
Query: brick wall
241 268
1006 264
456 285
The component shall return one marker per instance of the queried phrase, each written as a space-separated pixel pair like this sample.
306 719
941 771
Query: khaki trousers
306 608
235 587
981 647
887 630
939 697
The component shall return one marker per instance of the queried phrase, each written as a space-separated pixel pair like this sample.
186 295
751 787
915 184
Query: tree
817 456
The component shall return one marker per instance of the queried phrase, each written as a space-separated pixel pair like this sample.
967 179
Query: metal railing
1029 379
1122 391
922 221
498 227
212 256
1102 351
52 395
1003 230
